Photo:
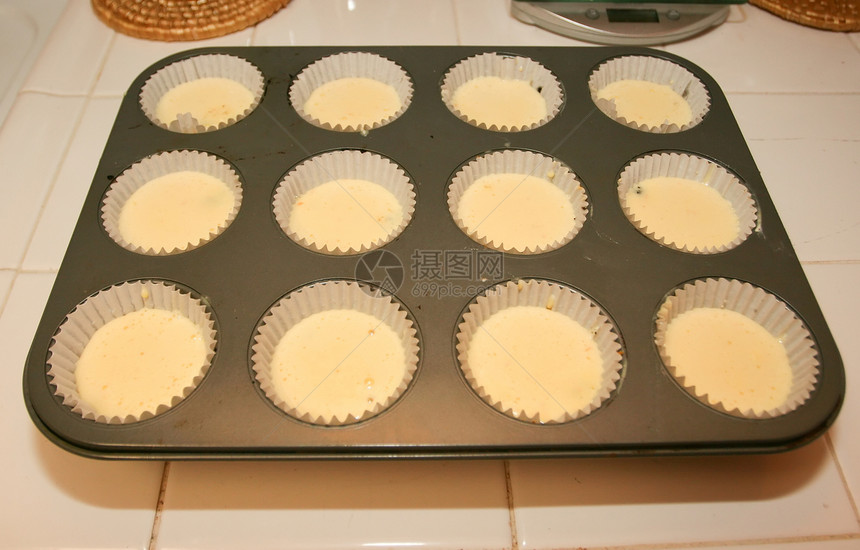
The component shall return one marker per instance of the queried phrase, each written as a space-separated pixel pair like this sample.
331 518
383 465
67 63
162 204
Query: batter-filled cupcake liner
351 65
79 326
698 169
195 68
526 163
320 297
158 165
552 296
656 70
506 67
763 308
344 165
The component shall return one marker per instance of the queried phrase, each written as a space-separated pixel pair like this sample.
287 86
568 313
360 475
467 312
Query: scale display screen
620 15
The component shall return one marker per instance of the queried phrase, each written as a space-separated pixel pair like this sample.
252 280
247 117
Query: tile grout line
703 544
829 262
457 32
65 154
253 40
88 98
732 543
5 298
798 139
159 506
46 271
55 176
744 14
48 93
107 95
832 449
789 93
802 138
15 274
512 516
855 44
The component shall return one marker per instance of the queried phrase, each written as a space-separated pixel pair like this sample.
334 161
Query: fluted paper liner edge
682 165
161 164
528 164
761 307
81 323
343 164
194 68
507 67
324 296
351 65
559 298
656 70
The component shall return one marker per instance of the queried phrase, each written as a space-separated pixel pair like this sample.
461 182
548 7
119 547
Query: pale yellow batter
516 211
338 364
686 212
647 102
139 361
175 210
210 100
345 213
733 359
536 361
351 101
491 100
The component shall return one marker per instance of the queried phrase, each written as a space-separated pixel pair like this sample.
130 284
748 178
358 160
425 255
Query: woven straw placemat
176 20
831 15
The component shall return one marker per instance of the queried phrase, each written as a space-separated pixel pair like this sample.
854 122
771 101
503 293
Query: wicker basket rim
182 20
832 15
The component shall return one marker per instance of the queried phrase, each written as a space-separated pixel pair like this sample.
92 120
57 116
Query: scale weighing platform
624 22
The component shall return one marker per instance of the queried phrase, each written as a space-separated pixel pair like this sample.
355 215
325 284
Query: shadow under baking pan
590 482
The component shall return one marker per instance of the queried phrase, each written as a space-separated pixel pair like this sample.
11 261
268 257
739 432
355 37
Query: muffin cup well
552 296
333 166
526 163
658 71
194 68
161 164
80 324
506 67
350 65
761 307
319 297
694 168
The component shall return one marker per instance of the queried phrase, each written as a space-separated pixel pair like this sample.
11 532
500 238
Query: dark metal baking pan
252 264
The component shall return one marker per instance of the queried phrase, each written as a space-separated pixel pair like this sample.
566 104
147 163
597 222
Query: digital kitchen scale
624 22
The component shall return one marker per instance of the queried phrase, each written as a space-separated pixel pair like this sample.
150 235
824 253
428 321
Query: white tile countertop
795 92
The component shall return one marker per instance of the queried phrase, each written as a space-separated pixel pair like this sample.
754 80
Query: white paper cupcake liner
194 68
156 166
690 167
658 71
559 298
316 298
111 303
760 306
506 67
336 165
350 65
528 164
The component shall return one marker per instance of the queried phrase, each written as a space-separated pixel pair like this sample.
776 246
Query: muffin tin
253 264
